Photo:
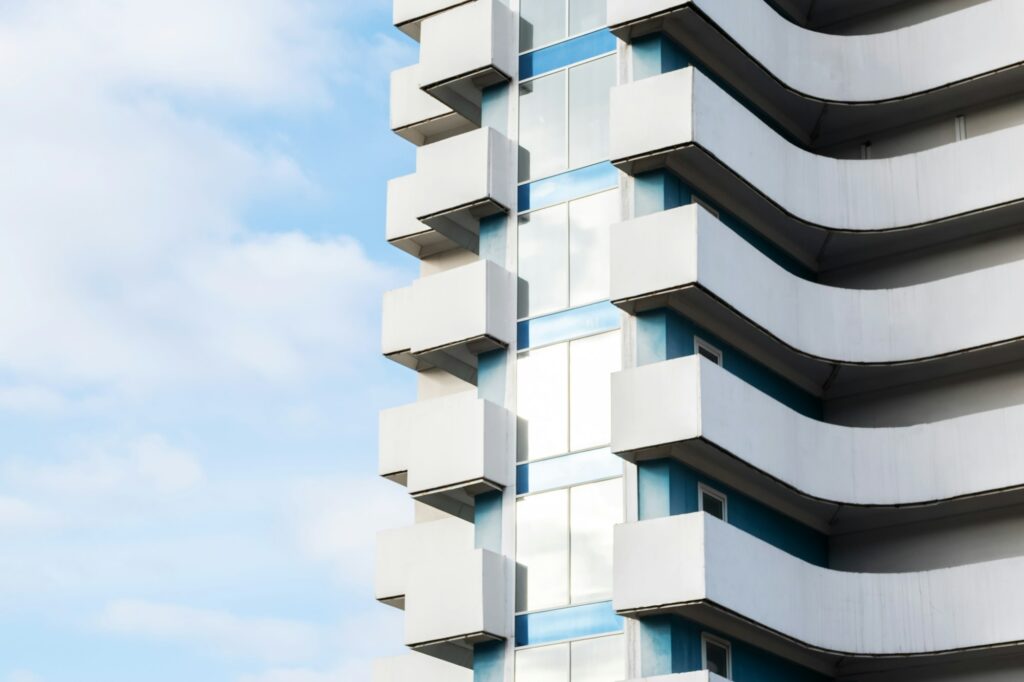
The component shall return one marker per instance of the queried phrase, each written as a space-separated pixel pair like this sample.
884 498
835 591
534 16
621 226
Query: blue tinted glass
487 521
571 623
582 321
567 186
567 470
566 53
489 662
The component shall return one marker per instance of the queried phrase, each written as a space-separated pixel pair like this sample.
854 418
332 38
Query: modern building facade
719 342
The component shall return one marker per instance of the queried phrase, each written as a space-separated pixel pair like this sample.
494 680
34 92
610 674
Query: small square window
717 656
712 502
706 350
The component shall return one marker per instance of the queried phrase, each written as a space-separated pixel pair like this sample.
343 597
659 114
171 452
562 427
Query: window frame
705 639
704 489
700 344
569 35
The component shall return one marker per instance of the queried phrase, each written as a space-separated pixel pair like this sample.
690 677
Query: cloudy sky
191 216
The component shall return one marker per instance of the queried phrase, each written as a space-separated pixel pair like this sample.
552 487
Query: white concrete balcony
418 117
420 668
825 211
457 182
827 474
687 259
454 596
448 450
697 566
696 676
408 15
864 80
466 49
446 320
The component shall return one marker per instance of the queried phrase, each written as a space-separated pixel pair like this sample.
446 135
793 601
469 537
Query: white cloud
23 676
125 200
17 513
134 468
213 631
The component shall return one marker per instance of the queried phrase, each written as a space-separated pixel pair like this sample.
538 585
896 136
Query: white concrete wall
863 68
400 551
687 398
684 107
457 440
698 676
688 246
418 117
451 307
466 39
418 668
462 596
695 557
900 14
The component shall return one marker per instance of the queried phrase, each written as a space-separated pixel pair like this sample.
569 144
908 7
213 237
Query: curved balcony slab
454 596
466 49
687 259
831 476
825 211
420 668
696 676
446 320
825 88
418 117
715 574
458 181
408 15
448 450
816 13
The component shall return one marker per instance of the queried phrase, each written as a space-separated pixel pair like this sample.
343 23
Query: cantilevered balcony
826 212
465 50
408 15
698 567
454 596
457 182
827 88
420 668
850 340
448 450
828 475
446 320
419 117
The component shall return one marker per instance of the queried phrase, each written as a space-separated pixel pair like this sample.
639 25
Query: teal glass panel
570 324
559 472
577 183
566 53
570 623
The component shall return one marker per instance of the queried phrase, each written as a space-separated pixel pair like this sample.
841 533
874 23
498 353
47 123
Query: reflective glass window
586 15
602 659
544 261
543 402
589 91
544 21
542 551
594 510
591 363
543 664
589 221
543 148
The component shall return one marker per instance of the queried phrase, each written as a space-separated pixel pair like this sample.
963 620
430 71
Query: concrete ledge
679 563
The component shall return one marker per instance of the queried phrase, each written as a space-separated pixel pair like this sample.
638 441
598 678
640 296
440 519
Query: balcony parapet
827 212
465 50
831 475
458 181
704 569
418 117
454 596
448 450
865 82
447 319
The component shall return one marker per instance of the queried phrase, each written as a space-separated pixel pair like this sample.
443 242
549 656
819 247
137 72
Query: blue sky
191 206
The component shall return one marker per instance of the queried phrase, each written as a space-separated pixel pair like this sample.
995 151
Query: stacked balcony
457 182
453 595
419 667
448 467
